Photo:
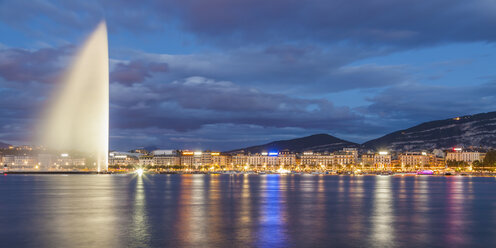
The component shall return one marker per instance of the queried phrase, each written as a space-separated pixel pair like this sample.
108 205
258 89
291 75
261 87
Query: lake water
246 211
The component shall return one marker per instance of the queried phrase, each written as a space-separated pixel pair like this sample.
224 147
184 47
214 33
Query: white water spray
78 117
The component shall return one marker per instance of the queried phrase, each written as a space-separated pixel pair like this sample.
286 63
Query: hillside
472 130
4 145
317 142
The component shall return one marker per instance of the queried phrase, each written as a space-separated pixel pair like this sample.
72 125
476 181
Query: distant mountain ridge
477 130
4 145
316 142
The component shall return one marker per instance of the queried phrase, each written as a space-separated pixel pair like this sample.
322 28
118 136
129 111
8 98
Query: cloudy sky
224 74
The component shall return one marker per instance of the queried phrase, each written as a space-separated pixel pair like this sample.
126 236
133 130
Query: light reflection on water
246 211
455 210
272 219
383 213
140 226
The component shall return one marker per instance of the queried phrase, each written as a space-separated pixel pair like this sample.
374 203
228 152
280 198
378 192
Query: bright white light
283 171
264 153
139 172
198 153
424 153
64 155
383 153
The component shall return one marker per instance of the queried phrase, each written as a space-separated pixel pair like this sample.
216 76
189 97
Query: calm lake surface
246 211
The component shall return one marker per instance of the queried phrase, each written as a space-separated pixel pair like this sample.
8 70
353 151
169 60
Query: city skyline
189 75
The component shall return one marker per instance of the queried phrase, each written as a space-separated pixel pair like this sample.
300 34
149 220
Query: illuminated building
382 160
46 161
286 158
309 158
270 159
164 158
353 152
457 154
206 158
219 159
20 163
8 159
415 159
368 159
191 159
146 160
262 159
64 161
239 159
346 156
123 158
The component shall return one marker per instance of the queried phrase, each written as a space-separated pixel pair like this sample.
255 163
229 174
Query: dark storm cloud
26 76
215 136
388 22
194 102
135 71
417 103
20 105
286 68
24 66
400 23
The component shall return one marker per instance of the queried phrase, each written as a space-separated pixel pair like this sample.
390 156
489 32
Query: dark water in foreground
246 211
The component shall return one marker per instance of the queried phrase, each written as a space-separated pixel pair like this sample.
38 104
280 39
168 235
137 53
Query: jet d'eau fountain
77 118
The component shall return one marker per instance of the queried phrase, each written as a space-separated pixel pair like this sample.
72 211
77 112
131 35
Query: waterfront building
457 154
415 159
286 158
219 159
163 158
262 159
309 158
164 152
382 160
42 162
191 159
67 162
24 163
368 159
343 158
8 160
271 159
353 152
239 159
46 161
206 158
146 160
123 158
20 162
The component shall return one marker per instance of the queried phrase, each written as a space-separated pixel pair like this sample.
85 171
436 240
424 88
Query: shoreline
470 174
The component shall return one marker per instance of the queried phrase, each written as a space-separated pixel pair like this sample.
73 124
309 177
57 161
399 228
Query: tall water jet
77 119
